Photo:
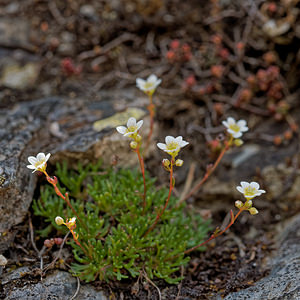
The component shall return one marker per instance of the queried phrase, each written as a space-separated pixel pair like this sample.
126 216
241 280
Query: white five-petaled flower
148 86
236 129
132 127
250 190
39 162
172 145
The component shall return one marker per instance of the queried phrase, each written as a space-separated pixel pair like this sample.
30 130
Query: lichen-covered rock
67 128
283 283
57 286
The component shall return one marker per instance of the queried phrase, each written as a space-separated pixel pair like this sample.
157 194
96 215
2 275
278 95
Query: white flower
132 127
172 145
250 190
39 162
148 86
236 129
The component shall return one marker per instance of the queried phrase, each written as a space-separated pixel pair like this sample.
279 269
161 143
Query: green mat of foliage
109 203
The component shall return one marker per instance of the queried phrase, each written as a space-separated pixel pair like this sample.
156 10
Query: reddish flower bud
190 81
277 140
269 57
224 53
240 46
245 95
219 108
174 44
58 241
216 39
217 70
49 243
272 7
288 134
251 80
171 55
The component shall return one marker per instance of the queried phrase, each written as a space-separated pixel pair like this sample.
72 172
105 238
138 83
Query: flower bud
48 243
248 203
239 204
238 142
138 138
59 221
58 241
133 145
179 162
253 211
166 162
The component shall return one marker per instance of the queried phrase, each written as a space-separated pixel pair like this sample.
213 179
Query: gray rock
283 283
26 130
20 77
59 286
14 33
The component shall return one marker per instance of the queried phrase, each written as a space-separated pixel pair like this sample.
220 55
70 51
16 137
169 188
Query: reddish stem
215 234
208 172
142 166
159 214
53 181
151 112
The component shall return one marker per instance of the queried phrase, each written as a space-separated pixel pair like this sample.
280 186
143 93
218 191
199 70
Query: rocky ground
64 65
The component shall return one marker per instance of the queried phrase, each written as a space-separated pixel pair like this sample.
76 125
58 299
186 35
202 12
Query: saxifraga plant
112 242
124 225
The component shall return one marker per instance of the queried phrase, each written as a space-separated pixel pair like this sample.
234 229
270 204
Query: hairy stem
208 172
159 214
142 166
151 112
215 234
53 181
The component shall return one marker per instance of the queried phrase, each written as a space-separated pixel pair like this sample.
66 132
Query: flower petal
40 156
121 129
231 121
140 82
183 144
131 122
169 139
241 123
254 185
139 124
240 189
178 139
30 167
32 160
161 146
47 156
225 123
152 78
244 184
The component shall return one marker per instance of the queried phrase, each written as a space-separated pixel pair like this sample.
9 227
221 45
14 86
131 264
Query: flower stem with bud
53 181
171 186
151 108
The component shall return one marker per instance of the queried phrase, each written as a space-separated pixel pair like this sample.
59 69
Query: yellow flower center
131 128
39 163
172 146
235 127
249 192
148 85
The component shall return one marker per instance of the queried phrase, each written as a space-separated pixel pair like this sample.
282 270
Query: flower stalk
132 131
65 197
171 186
151 109
209 171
